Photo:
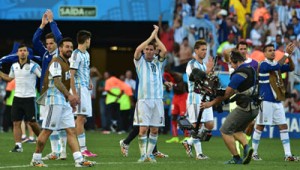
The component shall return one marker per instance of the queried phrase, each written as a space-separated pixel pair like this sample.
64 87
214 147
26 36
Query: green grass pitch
109 156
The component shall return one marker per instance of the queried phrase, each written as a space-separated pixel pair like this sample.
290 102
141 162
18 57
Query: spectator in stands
276 27
185 53
261 11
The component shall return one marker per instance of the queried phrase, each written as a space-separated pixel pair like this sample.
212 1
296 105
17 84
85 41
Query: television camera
206 85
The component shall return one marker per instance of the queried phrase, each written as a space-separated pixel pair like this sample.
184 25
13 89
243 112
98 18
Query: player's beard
67 54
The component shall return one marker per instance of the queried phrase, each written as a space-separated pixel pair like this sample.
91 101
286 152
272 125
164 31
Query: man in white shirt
25 73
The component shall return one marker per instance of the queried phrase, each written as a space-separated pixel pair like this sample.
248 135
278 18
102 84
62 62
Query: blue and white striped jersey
54 96
81 62
265 89
193 98
150 78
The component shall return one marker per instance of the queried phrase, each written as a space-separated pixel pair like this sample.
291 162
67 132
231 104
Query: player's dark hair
266 46
49 36
66 39
199 43
83 35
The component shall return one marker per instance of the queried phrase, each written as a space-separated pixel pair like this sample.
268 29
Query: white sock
255 140
143 144
81 140
284 137
54 141
151 143
63 141
37 156
31 138
19 144
23 136
197 146
77 156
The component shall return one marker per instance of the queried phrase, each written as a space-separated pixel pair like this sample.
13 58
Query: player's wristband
286 54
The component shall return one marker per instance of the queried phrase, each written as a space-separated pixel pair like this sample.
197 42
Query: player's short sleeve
55 69
12 72
75 60
36 69
188 69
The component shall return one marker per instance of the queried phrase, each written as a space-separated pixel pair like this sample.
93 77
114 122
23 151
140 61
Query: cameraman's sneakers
248 151
84 163
160 155
256 157
291 158
38 163
188 148
234 161
17 149
174 139
201 157
124 148
51 156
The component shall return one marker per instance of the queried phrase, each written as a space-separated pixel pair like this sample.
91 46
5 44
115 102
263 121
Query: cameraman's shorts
238 120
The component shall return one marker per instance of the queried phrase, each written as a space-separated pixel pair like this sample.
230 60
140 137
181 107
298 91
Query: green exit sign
77 11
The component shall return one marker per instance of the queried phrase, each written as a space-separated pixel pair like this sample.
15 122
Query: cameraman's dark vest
249 82
64 75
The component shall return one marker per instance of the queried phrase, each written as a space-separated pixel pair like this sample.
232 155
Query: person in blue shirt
273 93
243 84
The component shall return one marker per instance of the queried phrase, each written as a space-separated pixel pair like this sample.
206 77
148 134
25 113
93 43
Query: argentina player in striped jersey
194 99
149 112
80 79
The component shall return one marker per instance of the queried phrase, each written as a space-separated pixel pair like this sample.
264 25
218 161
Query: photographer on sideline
194 100
242 82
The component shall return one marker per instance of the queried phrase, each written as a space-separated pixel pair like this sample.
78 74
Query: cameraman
194 99
243 83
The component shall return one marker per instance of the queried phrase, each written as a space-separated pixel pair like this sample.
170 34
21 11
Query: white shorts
149 112
271 114
85 106
193 112
42 112
58 117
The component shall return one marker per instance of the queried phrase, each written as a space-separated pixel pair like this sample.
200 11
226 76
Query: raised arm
139 49
54 28
160 45
288 51
37 43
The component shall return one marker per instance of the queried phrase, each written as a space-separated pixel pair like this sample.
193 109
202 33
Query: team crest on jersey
84 109
67 75
27 67
53 125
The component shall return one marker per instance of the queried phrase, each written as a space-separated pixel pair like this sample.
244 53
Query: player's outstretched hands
49 15
290 48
